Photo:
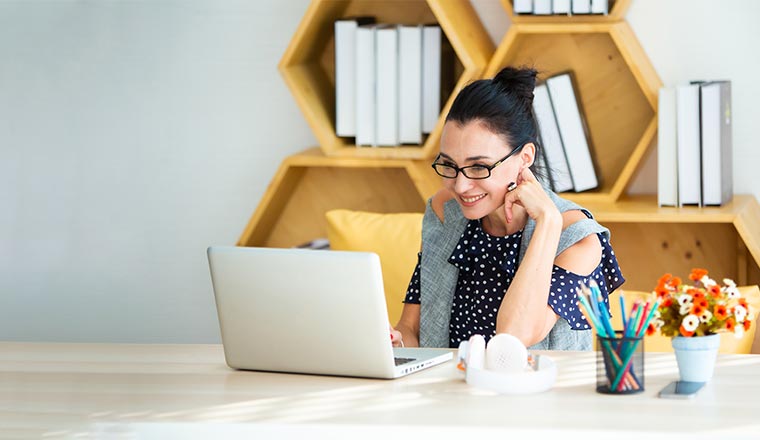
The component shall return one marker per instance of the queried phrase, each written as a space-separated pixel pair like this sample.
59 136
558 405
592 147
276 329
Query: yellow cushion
657 342
395 238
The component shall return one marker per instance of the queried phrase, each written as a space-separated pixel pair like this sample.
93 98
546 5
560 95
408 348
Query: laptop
308 311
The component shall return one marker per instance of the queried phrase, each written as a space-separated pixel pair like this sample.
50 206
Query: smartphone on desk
681 389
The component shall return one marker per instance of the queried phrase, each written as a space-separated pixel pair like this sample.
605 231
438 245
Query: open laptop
308 311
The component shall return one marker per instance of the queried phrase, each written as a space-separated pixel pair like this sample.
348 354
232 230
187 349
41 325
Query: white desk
186 391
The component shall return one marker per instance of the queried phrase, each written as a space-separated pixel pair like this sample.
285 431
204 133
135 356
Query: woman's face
474 144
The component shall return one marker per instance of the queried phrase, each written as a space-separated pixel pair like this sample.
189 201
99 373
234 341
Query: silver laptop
308 311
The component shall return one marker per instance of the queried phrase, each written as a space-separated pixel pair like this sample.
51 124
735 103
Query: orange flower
661 291
715 290
674 282
697 274
730 324
664 279
697 294
685 332
697 309
651 329
743 303
747 323
702 303
721 312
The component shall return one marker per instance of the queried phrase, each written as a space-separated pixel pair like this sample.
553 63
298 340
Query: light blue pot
696 356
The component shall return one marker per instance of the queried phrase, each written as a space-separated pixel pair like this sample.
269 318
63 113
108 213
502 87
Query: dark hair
503 104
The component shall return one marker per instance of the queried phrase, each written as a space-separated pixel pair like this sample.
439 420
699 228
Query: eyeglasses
475 172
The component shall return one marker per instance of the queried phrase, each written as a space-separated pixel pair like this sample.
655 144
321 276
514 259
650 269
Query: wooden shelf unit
618 90
309 184
616 85
651 240
308 63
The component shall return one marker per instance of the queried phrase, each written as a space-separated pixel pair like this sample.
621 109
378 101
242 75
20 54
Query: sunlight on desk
124 391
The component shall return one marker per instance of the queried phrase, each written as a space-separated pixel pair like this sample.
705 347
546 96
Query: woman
501 253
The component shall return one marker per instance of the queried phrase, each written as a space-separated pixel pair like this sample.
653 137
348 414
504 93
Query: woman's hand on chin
529 194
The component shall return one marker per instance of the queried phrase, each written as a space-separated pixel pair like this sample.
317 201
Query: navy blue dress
487 265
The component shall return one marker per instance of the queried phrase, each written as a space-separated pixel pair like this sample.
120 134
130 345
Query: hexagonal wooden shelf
617 10
308 63
616 84
292 211
723 239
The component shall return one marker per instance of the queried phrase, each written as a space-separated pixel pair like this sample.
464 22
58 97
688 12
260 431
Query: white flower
706 316
707 282
729 282
684 299
732 292
739 331
690 322
685 309
740 313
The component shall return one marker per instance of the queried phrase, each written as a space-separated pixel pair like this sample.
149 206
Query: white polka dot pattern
487 265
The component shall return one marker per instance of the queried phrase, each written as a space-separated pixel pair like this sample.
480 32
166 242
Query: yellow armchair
394 237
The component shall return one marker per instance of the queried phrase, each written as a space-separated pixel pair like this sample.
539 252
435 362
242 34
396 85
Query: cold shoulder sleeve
562 296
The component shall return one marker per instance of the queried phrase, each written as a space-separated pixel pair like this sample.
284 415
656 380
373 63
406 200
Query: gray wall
133 134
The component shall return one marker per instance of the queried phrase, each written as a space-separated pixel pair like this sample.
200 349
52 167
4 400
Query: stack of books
388 81
563 135
694 148
561 7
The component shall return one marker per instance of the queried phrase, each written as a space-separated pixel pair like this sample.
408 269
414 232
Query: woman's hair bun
519 82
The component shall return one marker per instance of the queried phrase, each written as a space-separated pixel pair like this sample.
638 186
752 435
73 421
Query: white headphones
502 365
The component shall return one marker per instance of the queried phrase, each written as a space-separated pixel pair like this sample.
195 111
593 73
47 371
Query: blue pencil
622 311
602 311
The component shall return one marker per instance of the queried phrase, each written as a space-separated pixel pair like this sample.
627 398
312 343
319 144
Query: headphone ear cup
506 353
476 352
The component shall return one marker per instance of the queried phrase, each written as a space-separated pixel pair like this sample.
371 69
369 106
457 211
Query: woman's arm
409 326
524 311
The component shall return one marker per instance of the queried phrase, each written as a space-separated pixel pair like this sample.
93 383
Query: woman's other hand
396 338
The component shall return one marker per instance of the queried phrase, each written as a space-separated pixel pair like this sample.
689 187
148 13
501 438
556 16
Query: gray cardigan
438 278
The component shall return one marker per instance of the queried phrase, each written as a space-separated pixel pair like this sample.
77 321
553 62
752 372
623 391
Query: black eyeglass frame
435 164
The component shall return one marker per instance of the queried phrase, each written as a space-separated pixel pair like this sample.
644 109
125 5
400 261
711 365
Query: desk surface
187 391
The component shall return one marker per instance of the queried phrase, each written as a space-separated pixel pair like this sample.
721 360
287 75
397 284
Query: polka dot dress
487 265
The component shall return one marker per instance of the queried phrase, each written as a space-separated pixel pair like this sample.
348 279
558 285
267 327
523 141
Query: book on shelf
717 156
600 7
365 85
667 149
410 84
550 141
573 131
561 7
386 93
431 77
542 7
345 73
581 6
688 136
522 6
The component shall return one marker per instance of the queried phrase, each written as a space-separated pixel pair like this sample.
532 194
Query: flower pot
696 356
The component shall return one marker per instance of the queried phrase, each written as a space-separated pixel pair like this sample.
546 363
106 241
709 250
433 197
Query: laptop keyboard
402 361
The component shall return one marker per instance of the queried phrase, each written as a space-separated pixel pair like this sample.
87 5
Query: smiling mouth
471 199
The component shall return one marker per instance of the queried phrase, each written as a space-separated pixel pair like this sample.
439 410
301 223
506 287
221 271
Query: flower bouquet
704 308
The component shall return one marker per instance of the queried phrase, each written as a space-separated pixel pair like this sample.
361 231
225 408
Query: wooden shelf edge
747 224
644 209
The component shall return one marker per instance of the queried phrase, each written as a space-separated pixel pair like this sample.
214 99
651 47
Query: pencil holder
619 364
